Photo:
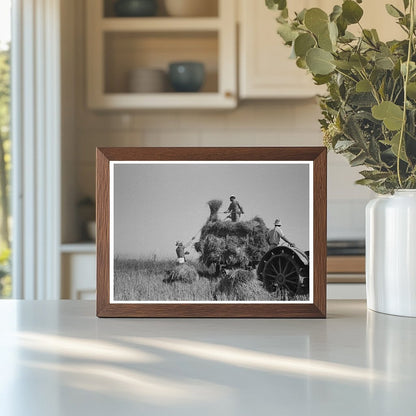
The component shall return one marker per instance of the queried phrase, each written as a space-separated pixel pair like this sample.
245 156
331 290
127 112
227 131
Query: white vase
391 253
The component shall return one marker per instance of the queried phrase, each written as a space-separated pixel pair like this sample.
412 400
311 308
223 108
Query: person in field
180 253
276 234
235 209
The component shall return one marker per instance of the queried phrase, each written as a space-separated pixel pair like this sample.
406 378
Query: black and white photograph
210 232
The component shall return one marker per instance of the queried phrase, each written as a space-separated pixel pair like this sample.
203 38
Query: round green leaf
301 15
287 33
393 11
351 11
301 63
347 37
336 12
316 20
319 61
394 144
303 43
358 61
411 90
276 4
322 79
391 114
324 41
344 65
384 62
363 86
342 25
333 32
328 38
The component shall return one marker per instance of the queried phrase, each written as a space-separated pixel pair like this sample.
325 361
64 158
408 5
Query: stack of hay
235 245
183 273
240 285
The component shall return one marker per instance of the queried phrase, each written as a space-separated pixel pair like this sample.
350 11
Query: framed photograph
211 232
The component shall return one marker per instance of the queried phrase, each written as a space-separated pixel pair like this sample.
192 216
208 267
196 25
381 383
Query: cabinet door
376 17
78 276
265 68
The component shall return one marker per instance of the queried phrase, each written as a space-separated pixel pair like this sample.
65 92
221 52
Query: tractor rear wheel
282 272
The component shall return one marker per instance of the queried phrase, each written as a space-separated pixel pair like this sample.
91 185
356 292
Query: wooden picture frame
314 157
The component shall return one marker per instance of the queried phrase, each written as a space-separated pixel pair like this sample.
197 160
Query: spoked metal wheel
282 273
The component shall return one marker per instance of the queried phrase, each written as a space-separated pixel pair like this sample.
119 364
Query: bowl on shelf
191 8
135 8
186 76
147 81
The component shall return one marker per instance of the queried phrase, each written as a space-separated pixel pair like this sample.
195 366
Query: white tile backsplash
173 138
258 123
346 219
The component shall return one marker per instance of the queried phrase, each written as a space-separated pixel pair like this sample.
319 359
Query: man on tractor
235 209
276 234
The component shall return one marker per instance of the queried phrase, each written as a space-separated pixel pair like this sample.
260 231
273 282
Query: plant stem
406 80
346 75
373 88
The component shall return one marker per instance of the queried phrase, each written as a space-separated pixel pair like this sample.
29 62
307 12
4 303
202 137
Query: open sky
157 204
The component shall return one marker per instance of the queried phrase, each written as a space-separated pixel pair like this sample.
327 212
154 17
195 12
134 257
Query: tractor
285 268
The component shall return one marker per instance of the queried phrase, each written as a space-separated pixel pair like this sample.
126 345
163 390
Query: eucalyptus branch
406 80
346 75
370 63
391 98
373 88
404 28
398 95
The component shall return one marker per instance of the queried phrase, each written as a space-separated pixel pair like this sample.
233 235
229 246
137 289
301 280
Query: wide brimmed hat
277 222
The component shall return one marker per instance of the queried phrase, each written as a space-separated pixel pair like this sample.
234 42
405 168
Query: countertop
57 358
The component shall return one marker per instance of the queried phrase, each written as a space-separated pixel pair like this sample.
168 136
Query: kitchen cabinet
78 263
118 45
265 69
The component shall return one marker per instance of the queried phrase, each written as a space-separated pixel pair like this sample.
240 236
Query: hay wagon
227 246
285 268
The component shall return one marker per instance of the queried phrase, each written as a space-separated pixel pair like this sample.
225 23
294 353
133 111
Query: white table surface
57 358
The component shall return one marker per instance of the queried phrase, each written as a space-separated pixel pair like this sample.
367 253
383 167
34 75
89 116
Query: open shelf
167 100
119 45
87 247
127 51
160 24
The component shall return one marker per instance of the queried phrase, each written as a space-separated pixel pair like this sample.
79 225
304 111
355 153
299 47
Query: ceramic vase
391 253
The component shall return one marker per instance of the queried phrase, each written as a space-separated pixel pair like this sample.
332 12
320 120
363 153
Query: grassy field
145 280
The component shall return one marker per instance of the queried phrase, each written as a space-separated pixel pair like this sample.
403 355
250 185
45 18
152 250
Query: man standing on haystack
235 209
274 235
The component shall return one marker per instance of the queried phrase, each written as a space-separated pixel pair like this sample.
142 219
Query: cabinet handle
229 94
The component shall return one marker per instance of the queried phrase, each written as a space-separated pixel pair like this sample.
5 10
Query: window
5 147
